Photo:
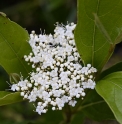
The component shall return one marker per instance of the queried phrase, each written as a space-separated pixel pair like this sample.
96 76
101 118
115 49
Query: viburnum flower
60 76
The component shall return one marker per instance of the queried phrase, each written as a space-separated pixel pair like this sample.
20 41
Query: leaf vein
13 51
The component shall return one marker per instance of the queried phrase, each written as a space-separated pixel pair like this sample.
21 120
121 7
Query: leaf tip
3 14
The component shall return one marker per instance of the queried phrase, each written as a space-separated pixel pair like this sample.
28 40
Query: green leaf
110 88
78 118
9 98
105 33
102 28
114 68
13 46
4 79
92 45
94 107
118 39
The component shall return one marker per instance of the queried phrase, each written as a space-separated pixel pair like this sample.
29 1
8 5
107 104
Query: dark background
36 14
33 15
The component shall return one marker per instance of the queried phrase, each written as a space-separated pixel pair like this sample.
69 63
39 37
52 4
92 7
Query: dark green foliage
98 30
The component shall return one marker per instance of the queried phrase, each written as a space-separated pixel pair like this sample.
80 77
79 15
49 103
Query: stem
68 114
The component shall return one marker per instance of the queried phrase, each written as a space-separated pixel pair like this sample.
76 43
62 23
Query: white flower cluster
59 77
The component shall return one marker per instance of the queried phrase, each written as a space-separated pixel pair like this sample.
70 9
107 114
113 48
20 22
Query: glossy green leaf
114 68
9 98
13 46
93 45
110 88
4 79
105 33
102 28
94 107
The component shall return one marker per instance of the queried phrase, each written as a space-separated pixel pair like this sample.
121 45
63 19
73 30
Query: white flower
14 87
45 95
84 70
59 30
70 58
93 69
63 75
22 83
42 38
53 73
80 90
73 92
64 99
39 109
77 66
68 48
72 84
89 84
60 40
32 96
62 52
54 86
69 29
72 103
57 93
59 102
57 77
